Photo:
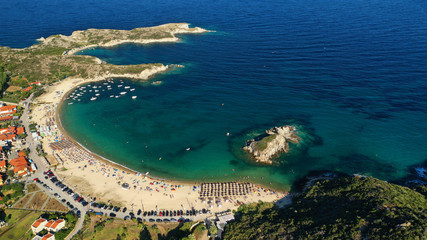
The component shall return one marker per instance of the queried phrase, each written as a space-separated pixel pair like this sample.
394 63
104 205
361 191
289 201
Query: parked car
112 214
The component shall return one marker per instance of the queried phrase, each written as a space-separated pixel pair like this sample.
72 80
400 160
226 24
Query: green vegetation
11 192
262 144
344 208
4 78
96 227
70 219
19 225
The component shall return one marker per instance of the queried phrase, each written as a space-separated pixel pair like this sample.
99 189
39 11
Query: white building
57 225
38 225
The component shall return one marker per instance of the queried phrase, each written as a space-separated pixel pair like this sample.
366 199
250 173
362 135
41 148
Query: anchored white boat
123 93
93 98
134 97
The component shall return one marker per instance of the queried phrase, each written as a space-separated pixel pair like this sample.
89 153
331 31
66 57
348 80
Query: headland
92 176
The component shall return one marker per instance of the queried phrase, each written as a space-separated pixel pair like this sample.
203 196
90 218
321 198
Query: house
57 225
20 130
7 118
11 109
20 166
2 165
27 89
49 224
48 236
38 225
22 154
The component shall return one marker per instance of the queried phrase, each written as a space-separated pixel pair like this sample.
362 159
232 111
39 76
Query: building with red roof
57 225
7 109
7 118
38 225
48 236
20 130
27 89
20 166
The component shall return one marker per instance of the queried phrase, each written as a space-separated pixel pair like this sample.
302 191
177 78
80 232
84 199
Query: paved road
52 189
42 166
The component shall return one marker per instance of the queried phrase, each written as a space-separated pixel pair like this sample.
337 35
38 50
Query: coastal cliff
275 140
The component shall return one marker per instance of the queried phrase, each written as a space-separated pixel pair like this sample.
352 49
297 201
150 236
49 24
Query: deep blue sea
353 74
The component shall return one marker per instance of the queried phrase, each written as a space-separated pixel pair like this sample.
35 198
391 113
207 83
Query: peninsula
53 59
275 140
50 70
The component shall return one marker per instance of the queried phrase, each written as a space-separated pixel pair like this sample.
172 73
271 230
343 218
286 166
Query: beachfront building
38 225
223 219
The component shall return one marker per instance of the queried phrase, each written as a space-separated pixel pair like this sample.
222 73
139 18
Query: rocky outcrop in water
275 140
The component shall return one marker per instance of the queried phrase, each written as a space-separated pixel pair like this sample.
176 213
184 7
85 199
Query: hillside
343 208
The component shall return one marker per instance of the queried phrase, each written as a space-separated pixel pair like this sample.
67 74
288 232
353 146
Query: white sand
92 177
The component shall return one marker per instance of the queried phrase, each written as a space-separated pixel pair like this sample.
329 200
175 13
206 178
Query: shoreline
101 168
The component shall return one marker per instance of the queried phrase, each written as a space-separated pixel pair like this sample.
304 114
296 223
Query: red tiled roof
23 174
6 118
3 164
37 223
7 136
20 130
48 224
19 169
47 236
22 154
7 108
57 223
18 161
27 89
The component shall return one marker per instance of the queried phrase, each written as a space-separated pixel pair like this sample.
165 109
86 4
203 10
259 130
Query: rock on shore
275 140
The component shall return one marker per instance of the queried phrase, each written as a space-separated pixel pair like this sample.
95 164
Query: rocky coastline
269 145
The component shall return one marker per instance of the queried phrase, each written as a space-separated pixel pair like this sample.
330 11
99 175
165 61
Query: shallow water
353 72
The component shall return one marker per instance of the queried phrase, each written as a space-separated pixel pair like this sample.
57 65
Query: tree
10 173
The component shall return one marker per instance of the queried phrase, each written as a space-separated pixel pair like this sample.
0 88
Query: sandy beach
98 178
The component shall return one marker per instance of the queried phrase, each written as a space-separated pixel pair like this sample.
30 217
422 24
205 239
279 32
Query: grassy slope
345 208
22 229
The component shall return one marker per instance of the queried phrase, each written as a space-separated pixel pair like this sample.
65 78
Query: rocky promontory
275 140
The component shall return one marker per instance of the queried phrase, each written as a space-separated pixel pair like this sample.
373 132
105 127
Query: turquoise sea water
353 73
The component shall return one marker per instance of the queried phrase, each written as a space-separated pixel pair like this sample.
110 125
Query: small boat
133 89
95 87
90 90
119 85
228 134
96 90
134 97
97 94
117 96
127 87
93 98
70 103
188 149
112 96
78 100
123 93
